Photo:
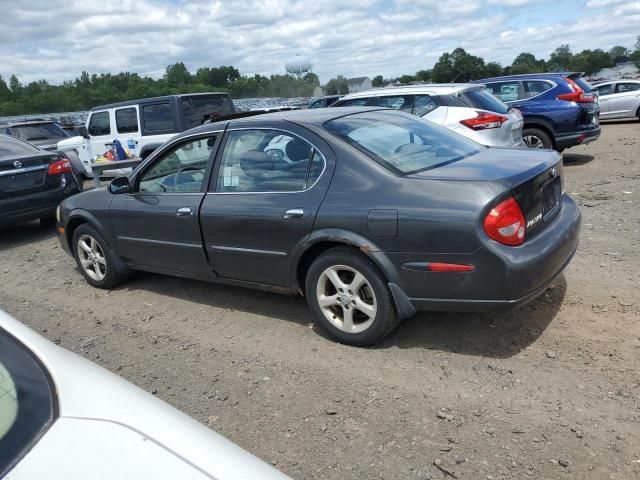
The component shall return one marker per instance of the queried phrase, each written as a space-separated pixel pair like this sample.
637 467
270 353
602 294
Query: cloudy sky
57 39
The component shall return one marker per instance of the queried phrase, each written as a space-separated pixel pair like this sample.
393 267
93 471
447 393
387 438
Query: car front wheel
94 258
350 298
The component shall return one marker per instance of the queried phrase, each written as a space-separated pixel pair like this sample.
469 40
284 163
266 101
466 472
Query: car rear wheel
94 258
536 138
350 298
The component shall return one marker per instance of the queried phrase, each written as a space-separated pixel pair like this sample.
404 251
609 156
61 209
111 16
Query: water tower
298 66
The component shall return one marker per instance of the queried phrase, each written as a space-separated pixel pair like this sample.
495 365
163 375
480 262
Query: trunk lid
26 174
534 177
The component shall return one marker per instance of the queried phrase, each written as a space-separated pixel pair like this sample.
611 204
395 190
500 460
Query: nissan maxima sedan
32 182
371 214
64 418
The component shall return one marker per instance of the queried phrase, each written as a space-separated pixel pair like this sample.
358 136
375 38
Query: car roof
154 99
617 80
530 75
26 123
310 116
432 88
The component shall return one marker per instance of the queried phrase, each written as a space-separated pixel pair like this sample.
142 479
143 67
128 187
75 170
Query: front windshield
401 142
41 131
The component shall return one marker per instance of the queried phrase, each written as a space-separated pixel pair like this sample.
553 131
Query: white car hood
101 413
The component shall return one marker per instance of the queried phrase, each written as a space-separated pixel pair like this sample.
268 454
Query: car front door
623 102
99 127
156 225
604 95
262 202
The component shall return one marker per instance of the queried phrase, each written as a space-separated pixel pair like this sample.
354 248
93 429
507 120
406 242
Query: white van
142 125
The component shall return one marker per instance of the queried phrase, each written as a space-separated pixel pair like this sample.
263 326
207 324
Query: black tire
385 319
48 222
536 133
111 277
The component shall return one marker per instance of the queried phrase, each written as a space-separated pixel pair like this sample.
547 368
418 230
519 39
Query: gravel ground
549 391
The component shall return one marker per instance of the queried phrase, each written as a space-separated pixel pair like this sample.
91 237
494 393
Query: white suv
465 108
143 125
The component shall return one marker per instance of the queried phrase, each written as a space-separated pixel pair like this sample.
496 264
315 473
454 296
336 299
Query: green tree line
88 90
461 66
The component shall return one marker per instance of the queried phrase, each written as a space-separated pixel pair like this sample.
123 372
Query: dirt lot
550 391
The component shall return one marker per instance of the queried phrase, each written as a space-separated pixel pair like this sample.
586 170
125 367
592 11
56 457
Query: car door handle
293 213
184 212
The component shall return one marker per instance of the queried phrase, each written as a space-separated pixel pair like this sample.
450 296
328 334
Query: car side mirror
83 131
120 185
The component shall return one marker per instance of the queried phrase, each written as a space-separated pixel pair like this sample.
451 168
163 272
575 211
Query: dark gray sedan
371 214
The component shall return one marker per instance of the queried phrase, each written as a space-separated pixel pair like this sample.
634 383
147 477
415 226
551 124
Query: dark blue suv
559 109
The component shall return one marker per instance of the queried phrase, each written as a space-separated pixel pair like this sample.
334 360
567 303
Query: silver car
619 99
64 418
466 108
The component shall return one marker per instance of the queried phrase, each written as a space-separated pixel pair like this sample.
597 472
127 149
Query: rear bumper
503 277
37 205
580 138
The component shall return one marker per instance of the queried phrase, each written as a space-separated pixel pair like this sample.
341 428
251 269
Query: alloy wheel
533 141
346 299
92 257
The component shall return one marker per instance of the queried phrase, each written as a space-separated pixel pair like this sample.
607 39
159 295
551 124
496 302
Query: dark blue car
559 109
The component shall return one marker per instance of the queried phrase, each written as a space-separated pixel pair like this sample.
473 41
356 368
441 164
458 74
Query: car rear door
156 225
262 202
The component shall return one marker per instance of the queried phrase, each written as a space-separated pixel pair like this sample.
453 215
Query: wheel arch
543 125
323 240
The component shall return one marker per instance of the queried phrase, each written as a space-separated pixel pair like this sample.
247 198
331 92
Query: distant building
359 84
621 70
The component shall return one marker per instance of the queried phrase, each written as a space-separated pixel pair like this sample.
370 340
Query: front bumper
503 277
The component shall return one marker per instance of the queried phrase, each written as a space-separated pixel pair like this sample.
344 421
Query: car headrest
298 150
255 163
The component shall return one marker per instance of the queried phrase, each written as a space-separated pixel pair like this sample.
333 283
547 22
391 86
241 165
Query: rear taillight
484 121
505 223
578 95
62 165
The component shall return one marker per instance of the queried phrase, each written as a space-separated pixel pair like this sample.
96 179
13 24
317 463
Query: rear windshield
10 147
484 100
402 142
41 131
582 83
197 110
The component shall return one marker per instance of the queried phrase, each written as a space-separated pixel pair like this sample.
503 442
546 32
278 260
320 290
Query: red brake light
505 223
578 95
62 165
484 121
449 267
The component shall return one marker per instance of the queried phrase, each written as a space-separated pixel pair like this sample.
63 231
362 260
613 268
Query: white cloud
57 39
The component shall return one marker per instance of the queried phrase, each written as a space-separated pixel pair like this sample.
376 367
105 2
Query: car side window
423 105
267 161
180 170
403 103
99 124
318 104
505 91
127 120
536 87
627 87
604 89
158 118
354 102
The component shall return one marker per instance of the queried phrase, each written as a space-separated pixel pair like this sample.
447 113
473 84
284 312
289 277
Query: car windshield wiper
37 138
